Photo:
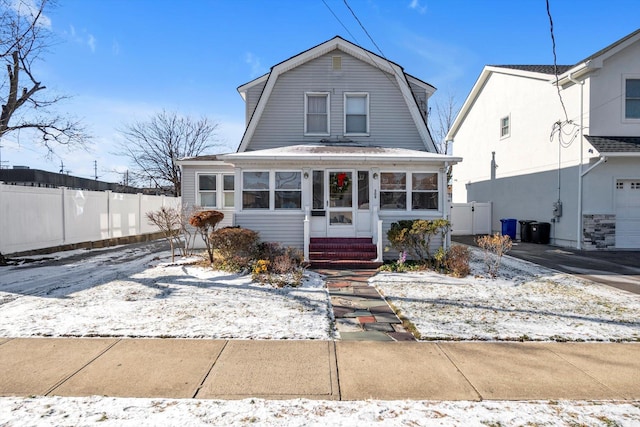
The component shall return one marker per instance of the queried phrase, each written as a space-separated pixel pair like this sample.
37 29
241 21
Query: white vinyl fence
35 218
470 218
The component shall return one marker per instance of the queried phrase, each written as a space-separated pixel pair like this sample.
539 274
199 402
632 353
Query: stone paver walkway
360 312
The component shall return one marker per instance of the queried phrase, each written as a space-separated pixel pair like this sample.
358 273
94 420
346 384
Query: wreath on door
340 183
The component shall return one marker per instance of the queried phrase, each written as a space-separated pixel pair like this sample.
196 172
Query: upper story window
356 113
207 190
505 127
632 99
316 116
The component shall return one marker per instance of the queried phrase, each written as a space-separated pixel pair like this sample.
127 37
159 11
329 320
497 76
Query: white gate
470 218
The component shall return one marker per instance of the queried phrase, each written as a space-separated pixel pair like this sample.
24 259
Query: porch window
318 190
363 189
207 190
393 190
316 118
424 191
356 113
288 190
255 190
228 187
632 99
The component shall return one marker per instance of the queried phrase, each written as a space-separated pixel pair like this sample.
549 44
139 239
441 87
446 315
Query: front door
340 204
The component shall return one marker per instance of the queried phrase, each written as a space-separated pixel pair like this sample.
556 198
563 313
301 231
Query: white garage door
627 213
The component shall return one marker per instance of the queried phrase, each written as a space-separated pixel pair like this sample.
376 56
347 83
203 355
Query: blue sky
124 60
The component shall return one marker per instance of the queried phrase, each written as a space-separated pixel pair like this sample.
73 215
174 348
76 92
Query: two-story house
336 146
557 144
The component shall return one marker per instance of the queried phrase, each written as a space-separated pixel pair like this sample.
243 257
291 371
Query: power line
338 19
364 29
555 61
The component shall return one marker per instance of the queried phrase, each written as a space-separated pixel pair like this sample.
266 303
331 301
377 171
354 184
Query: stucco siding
282 122
607 97
284 228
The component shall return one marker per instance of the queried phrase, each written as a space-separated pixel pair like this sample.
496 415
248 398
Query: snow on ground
525 301
136 292
106 411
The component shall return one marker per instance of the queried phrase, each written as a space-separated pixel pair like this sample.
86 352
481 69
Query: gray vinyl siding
284 228
388 219
282 122
253 96
421 99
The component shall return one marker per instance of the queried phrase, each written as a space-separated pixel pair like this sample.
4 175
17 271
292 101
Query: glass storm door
340 204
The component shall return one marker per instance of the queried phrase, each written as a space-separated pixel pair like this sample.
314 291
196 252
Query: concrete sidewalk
333 370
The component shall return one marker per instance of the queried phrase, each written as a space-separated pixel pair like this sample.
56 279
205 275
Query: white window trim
306 107
198 198
223 191
272 191
623 108
508 134
272 187
344 109
242 190
409 192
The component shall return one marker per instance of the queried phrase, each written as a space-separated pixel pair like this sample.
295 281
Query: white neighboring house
336 146
580 172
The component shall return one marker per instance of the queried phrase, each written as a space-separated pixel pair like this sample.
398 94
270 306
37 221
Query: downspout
580 174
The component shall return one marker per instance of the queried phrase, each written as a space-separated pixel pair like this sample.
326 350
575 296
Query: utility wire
338 19
364 29
555 61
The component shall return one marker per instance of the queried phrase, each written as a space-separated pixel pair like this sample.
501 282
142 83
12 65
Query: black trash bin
525 230
540 232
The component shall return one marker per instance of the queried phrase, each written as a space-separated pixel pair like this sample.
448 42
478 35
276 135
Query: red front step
342 252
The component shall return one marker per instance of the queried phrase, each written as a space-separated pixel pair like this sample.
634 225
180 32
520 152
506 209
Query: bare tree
24 37
154 146
445 114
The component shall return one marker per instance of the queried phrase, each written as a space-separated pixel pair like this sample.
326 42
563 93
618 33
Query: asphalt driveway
620 269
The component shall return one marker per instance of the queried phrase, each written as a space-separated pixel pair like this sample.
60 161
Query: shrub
414 236
169 222
235 247
494 247
205 222
457 261
278 265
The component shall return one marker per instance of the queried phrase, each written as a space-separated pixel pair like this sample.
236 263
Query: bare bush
494 247
169 222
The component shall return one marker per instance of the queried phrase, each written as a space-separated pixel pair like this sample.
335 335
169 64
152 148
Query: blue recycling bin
509 227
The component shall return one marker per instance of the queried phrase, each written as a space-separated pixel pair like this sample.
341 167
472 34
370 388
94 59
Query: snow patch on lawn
108 411
142 296
525 301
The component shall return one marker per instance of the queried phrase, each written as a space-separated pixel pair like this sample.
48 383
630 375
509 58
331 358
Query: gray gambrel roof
615 144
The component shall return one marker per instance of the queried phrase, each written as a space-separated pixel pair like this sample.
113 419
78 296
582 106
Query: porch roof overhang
339 153
616 146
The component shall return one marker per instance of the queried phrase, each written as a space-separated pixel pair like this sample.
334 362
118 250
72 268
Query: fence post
109 224
139 219
63 193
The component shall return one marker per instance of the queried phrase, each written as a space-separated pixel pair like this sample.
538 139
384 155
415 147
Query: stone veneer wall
598 231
